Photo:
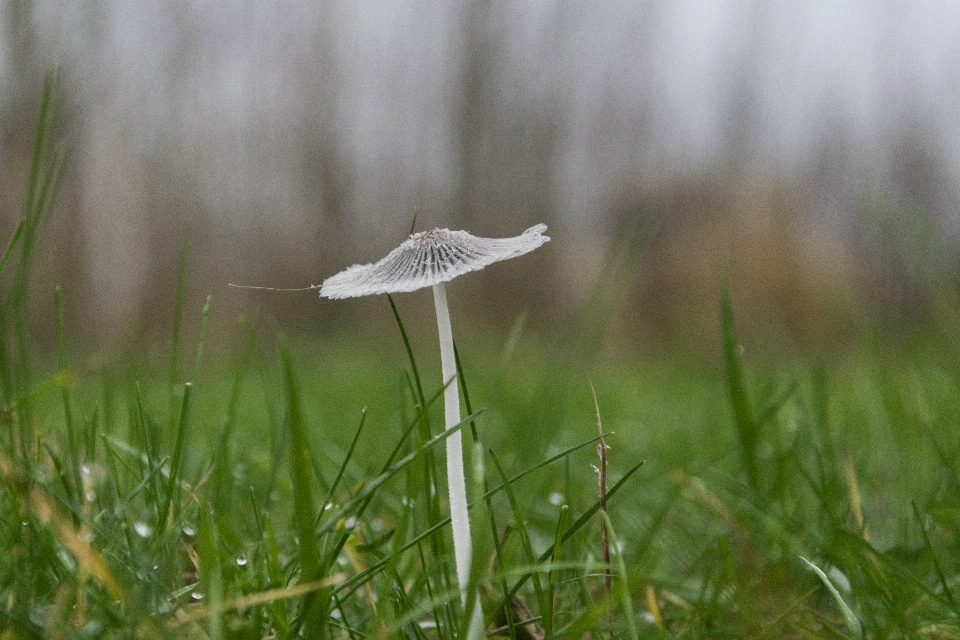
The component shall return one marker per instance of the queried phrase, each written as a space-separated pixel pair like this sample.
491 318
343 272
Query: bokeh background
810 150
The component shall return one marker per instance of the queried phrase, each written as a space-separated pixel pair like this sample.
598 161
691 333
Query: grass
292 488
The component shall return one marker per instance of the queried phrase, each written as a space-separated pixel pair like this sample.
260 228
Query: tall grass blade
937 565
552 574
222 454
314 612
179 309
542 599
65 394
625 600
406 345
427 468
274 572
204 318
13 243
15 369
41 144
168 504
211 572
5 374
747 429
343 465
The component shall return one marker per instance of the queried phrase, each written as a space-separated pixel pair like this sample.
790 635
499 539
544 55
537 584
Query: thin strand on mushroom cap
428 258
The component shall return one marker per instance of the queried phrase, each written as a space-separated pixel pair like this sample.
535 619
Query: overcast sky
224 97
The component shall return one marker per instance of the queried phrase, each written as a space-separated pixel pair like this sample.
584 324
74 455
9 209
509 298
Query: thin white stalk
456 482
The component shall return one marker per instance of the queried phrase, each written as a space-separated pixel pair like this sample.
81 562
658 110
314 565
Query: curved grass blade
853 623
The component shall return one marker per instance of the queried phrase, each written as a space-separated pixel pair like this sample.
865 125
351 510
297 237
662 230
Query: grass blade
182 426
747 429
313 615
65 394
853 623
13 243
346 460
518 518
579 523
625 600
178 314
204 318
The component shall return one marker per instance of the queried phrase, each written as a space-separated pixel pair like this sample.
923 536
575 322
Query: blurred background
809 149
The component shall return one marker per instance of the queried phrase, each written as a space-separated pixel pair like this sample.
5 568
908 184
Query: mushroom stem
456 483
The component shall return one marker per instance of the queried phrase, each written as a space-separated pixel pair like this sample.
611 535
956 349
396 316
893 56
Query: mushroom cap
428 258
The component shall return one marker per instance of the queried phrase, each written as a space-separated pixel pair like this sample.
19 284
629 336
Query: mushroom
428 259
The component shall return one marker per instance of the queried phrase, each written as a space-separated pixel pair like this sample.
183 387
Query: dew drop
556 498
840 579
143 529
196 595
242 561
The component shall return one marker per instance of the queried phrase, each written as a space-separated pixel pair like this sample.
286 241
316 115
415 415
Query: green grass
293 488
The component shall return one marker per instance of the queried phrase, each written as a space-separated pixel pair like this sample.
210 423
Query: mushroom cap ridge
428 258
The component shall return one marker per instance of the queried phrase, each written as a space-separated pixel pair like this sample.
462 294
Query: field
296 487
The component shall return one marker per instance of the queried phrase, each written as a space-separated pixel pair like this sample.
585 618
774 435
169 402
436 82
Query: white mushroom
428 259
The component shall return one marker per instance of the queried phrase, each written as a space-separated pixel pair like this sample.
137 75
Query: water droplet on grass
143 529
